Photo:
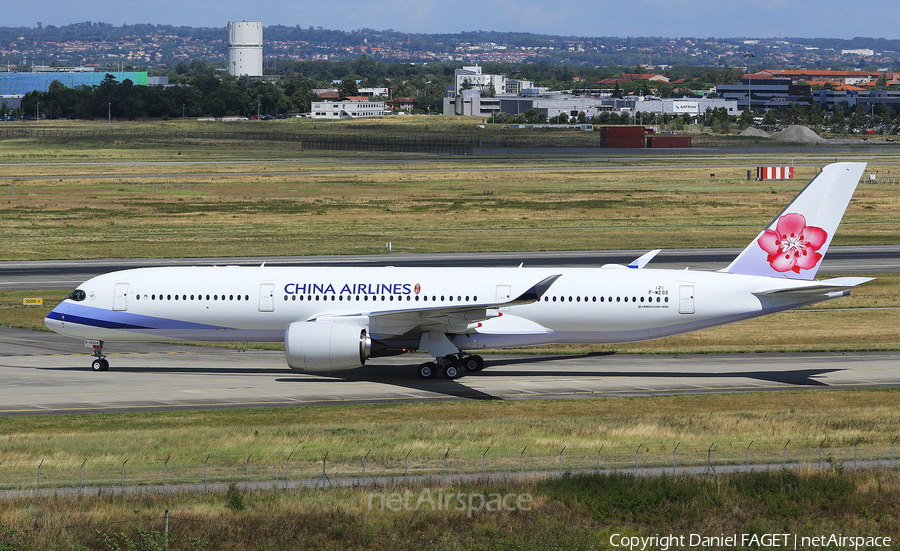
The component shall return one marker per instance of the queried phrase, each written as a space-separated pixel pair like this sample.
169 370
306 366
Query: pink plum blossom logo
793 245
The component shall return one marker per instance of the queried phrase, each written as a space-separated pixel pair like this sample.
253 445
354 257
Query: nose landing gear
100 363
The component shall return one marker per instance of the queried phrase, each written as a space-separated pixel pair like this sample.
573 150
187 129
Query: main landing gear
451 365
100 363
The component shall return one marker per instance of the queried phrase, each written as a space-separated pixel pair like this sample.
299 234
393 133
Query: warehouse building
12 83
471 104
347 108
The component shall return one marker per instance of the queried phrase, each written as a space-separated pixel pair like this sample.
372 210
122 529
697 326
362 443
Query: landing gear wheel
452 372
473 363
100 364
428 370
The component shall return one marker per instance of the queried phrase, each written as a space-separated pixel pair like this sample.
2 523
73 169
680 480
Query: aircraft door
120 297
686 299
266 297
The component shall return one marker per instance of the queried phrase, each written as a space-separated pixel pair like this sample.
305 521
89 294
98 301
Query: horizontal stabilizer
817 288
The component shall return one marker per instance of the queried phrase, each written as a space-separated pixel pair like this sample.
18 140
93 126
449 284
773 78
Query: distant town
247 70
158 47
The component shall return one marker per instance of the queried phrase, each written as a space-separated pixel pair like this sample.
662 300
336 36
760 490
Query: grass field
568 513
233 199
446 209
425 431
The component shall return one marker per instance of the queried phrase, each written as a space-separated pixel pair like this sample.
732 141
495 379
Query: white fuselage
584 305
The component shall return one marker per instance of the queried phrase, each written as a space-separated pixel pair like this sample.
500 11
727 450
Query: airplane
335 318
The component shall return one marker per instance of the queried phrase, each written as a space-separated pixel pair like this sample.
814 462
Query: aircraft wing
444 319
827 287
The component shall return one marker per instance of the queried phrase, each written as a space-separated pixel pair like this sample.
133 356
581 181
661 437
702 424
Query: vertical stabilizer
793 245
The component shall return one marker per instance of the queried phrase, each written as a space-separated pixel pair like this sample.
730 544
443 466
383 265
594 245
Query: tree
348 87
491 91
617 92
746 119
858 119
814 116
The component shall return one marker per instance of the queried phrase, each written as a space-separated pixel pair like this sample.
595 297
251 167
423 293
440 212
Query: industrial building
347 109
869 99
470 103
767 93
245 48
472 78
773 93
12 83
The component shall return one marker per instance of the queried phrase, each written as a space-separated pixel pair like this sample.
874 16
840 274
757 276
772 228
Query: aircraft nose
54 320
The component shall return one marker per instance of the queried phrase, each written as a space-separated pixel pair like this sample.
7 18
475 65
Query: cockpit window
77 295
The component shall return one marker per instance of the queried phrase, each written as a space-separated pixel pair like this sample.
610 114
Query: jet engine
322 346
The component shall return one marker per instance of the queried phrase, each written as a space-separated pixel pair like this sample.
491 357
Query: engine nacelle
324 346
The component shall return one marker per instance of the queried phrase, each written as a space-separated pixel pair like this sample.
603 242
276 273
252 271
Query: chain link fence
19 475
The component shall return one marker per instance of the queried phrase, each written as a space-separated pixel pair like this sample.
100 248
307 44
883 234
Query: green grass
571 512
425 431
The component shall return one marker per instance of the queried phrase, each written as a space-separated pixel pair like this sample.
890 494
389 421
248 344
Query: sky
666 18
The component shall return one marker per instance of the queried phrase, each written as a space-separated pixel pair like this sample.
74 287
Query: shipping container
668 141
626 142
623 131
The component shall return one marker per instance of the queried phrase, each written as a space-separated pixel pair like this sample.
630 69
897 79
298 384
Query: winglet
644 259
793 244
535 293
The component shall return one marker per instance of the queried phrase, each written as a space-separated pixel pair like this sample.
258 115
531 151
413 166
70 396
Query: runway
67 274
45 373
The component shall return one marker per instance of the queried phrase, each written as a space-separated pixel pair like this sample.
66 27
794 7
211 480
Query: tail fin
793 245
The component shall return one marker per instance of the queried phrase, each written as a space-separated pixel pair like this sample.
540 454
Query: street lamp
747 57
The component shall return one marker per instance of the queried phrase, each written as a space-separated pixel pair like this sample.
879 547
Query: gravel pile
798 134
754 133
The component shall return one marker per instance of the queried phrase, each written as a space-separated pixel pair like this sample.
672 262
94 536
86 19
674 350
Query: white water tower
245 50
